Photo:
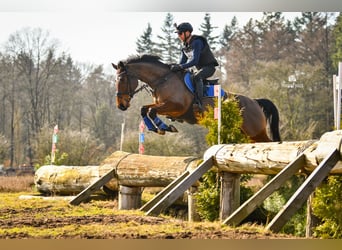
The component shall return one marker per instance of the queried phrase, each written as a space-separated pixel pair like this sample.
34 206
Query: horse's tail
272 116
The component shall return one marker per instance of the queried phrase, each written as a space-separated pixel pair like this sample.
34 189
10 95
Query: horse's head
126 83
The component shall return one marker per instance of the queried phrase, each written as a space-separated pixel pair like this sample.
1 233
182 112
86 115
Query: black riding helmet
183 27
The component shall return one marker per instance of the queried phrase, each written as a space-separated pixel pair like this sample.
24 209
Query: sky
102 37
100 32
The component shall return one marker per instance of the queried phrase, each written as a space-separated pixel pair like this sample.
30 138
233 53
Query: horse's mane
145 58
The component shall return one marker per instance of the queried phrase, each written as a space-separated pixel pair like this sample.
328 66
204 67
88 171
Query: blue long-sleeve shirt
191 54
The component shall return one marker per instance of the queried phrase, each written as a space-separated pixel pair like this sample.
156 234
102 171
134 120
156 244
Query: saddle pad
209 90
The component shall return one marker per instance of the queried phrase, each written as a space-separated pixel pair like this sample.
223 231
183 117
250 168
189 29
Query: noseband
131 92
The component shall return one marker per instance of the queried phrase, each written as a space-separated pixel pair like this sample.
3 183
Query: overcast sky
102 32
101 37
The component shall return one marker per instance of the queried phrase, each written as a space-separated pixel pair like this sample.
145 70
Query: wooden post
256 200
92 188
304 191
311 220
172 192
129 198
230 194
192 205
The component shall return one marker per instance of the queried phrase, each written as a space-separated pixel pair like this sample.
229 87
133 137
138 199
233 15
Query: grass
39 218
23 183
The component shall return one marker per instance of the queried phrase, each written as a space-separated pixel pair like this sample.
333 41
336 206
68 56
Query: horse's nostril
122 107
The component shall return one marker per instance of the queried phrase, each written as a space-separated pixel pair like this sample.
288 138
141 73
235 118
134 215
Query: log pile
135 170
132 170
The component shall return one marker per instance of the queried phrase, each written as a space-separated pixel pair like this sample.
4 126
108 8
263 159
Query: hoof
161 132
172 128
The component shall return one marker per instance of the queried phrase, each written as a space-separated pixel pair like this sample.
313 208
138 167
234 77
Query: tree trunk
132 170
272 157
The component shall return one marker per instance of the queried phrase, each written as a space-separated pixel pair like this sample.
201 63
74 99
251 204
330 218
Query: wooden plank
162 193
181 187
304 191
93 187
250 205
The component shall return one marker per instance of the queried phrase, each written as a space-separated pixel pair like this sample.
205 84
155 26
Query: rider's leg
150 126
203 73
199 89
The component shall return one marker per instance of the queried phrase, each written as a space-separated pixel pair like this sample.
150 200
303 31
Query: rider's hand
176 67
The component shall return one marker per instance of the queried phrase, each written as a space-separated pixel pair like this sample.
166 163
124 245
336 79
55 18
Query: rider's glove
176 67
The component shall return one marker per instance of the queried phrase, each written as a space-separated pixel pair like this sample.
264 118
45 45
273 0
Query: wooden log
69 180
136 170
272 157
132 170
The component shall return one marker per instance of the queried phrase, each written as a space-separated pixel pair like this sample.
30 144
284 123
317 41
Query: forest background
289 62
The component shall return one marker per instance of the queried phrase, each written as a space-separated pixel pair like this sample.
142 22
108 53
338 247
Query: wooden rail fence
129 172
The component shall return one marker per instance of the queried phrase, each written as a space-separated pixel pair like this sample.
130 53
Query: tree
10 105
337 45
207 31
169 43
230 132
276 37
101 119
33 54
326 205
242 56
145 45
228 34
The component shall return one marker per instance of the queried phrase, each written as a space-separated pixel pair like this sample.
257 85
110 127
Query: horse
173 98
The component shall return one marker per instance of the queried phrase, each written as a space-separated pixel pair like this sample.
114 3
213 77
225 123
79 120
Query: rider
195 52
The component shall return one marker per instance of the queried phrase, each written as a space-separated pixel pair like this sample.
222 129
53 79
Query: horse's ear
121 65
115 66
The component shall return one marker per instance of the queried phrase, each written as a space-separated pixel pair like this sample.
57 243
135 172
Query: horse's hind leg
261 137
162 127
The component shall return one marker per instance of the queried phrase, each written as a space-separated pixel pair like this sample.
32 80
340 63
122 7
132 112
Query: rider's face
182 35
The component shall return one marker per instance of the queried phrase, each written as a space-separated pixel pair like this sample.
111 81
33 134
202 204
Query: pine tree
145 45
228 34
169 43
207 30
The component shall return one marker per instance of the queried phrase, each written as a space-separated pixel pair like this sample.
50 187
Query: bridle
131 92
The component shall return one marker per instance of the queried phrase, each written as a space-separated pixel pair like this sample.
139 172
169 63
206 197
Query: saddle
208 85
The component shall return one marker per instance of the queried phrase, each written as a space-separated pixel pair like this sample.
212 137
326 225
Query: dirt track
31 218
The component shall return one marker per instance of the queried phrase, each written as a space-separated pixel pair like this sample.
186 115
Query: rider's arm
197 46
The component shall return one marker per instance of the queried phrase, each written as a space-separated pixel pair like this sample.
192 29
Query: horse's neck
150 74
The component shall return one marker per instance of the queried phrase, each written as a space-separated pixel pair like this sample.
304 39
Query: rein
146 86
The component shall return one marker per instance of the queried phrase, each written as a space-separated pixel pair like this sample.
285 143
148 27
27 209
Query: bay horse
175 100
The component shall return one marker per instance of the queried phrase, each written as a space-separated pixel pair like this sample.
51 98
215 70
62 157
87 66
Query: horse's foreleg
159 123
150 126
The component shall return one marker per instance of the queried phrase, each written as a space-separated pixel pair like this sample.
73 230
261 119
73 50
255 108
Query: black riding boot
199 92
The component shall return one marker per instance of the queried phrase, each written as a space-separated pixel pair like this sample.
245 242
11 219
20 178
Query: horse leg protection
150 126
159 123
